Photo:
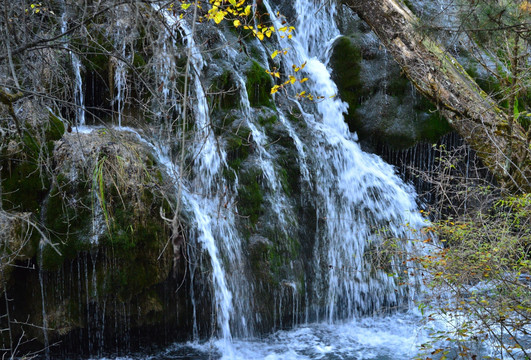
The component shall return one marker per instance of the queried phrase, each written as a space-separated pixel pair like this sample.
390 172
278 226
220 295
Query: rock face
104 267
384 107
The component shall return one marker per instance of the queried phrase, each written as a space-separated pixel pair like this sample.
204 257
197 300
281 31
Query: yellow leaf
268 33
282 29
237 23
274 89
277 75
303 80
219 17
248 10
233 2
292 79
260 36
185 6
303 65
274 54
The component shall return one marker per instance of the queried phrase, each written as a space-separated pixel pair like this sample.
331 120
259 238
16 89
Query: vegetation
479 282
477 264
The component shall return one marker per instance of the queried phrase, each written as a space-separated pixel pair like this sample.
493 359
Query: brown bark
440 78
8 100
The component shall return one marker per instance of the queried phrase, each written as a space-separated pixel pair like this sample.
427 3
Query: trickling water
77 67
212 224
80 101
120 70
43 303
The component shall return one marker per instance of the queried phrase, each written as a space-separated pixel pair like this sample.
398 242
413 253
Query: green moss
23 187
96 50
138 60
134 247
399 86
31 143
238 148
254 51
283 250
346 64
267 121
250 197
258 86
409 5
55 128
224 91
68 222
221 125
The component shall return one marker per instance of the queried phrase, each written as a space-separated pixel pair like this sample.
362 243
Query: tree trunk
440 78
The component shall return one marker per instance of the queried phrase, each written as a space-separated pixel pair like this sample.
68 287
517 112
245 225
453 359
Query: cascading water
359 195
206 200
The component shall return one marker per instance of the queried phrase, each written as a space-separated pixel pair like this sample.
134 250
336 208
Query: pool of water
394 337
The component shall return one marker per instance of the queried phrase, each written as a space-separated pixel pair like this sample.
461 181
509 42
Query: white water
359 193
381 338
120 35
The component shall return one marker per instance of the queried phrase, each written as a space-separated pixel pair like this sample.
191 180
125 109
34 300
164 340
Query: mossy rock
346 64
25 179
239 146
258 86
118 186
124 262
225 91
387 110
250 196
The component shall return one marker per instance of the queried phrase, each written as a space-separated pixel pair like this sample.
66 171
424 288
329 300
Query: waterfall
359 196
205 197
360 202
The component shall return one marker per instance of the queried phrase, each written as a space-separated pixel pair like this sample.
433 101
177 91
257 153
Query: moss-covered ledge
110 260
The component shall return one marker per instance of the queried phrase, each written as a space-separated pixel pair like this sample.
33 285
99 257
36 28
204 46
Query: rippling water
394 337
